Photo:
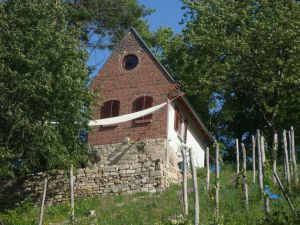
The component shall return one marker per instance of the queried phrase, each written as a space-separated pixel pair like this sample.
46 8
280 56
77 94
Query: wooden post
253 159
294 158
184 181
275 150
263 159
237 162
207 169
195 186
72 194
43 202
217 180
290 153
284 193
260 167
245 184
286 160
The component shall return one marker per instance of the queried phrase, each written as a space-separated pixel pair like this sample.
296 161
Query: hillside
161 208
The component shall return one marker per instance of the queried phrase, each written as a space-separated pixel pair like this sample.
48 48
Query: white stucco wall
193 137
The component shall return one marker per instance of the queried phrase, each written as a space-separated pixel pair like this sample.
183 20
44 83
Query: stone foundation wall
95 181
132 152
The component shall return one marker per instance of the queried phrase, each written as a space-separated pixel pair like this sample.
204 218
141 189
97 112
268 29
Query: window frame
125 61
147 118
112 113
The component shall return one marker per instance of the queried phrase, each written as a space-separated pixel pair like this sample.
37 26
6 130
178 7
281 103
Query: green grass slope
165 207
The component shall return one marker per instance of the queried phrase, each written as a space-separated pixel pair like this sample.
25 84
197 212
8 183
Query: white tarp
126 117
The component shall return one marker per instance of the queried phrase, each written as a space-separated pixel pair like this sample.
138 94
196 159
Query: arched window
109 109
141 103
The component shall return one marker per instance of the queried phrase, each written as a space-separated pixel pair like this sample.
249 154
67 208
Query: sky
167 13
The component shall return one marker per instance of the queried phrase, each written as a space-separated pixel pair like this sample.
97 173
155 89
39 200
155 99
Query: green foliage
140 146
43 87
239 62
280 218
105 21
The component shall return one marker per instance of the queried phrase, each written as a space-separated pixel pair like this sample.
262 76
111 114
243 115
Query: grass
159 208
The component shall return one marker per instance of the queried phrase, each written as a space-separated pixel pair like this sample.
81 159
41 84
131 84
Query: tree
44 97
244 58
105 21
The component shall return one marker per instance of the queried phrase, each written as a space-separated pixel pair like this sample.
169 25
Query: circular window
130 62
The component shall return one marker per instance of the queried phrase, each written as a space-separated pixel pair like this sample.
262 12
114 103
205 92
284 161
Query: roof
198 120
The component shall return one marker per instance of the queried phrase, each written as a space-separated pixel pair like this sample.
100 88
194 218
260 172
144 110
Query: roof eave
211 138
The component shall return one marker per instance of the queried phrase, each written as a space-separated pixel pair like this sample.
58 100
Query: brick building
131 82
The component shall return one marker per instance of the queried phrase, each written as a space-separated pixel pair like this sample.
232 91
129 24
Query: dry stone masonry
131 152
94 181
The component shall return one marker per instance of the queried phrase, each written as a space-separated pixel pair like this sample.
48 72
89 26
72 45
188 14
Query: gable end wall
114 82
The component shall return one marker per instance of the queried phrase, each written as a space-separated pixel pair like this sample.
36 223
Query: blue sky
167 13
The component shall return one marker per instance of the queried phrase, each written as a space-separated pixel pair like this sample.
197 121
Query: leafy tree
105 21
44 97
241 60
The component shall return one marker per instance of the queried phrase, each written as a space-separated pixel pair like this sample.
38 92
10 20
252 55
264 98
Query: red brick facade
117 83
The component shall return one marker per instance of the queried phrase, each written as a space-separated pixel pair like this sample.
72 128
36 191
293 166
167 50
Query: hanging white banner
126 117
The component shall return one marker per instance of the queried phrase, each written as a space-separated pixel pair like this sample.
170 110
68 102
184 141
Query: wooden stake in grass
217 180
237 162
294 156
263 159
260 166
286 160
253 159
290 153
284 193
43 202
184 182
207 169
72 194
275 150
195 186
245 184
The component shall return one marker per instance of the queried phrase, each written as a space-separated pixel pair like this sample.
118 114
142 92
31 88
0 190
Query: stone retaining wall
95 181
